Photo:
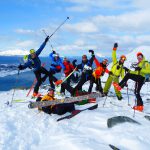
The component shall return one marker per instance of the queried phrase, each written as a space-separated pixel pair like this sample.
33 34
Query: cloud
78 8
24 31
25 44
82 27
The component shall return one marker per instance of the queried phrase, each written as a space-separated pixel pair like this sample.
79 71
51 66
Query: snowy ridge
23 128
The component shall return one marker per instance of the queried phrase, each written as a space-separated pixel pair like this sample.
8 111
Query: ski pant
52 78
108 83
139 81
38 73
84 78
66 86
98 84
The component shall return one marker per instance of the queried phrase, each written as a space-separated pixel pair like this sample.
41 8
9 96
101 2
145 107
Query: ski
74 113
113 147
40 104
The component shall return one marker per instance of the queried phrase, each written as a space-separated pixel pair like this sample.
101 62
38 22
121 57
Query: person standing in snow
34 62
117 70
96 75
55 67
86 68
142 68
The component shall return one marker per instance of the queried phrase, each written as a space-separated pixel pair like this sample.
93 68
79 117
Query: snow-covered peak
143 49
15 52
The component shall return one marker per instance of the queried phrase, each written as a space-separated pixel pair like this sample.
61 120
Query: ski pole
10 103
128 95
57 28
104 101
134 109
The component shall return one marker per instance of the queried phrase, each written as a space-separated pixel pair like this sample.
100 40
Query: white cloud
25 44
78 8
24 31
82 27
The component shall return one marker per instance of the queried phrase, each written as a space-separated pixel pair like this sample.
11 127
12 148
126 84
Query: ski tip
68 18
113 147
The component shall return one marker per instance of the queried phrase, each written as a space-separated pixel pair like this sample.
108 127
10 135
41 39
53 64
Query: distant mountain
16 52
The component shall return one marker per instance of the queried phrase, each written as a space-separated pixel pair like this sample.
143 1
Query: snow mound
23 128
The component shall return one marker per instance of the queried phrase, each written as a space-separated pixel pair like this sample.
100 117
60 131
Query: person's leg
91 84
52 78
138 87
39 81
81 82
128 76
108 84
118 93
67 87
99 85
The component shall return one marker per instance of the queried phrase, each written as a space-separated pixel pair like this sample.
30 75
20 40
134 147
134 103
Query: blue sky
93 24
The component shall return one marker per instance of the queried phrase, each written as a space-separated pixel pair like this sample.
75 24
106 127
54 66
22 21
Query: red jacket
68 68
99 71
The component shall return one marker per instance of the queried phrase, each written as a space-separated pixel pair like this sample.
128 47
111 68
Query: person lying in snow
59 109
142 68
96 75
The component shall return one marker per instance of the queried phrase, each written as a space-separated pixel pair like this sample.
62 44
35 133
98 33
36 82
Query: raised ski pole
56 28
10 103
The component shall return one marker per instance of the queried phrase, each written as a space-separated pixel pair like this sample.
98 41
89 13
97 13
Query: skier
86 68
117 70
59 109
68 69
55 67
34 62
142 68
96 75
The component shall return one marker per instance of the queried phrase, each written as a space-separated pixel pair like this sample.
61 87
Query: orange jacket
100 70
48 98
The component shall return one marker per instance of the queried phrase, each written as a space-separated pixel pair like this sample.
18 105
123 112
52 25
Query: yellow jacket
117 69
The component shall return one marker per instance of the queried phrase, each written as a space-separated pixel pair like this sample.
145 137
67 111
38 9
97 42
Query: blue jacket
34 63
56 65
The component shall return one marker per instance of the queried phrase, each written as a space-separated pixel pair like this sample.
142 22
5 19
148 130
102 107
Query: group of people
87 74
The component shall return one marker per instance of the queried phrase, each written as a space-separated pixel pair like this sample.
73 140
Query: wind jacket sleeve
40 49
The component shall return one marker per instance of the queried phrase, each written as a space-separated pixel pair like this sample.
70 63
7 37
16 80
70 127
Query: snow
14 52
23 128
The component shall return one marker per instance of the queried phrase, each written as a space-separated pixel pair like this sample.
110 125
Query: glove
110 73
126 84
91 51
54 52
74 61
126 69
138 69
47 38
115 46
20 67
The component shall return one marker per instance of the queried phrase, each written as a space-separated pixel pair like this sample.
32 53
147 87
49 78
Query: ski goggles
140 57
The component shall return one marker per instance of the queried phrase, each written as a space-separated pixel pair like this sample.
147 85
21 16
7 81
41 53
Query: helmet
56 55
139 53
106 60
25 58
123 57
32 51
84 56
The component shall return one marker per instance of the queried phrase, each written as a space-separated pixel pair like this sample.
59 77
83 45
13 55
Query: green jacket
117 72
144 64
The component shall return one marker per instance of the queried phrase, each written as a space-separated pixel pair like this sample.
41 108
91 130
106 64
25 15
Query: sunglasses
139 57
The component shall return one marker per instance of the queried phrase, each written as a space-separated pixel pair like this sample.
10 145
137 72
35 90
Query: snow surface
22 128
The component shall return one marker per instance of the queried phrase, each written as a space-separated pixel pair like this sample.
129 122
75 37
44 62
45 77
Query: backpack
147 76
